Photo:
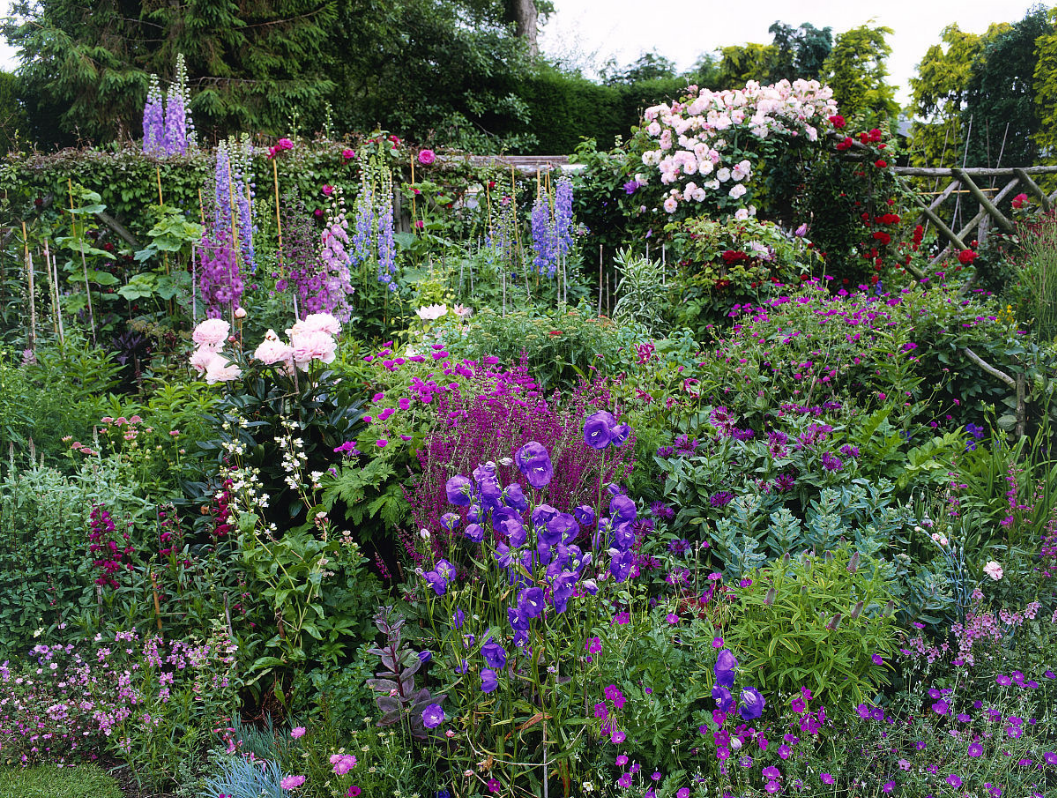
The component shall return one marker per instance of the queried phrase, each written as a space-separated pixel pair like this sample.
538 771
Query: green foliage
14 124
939 92
1003 98
731 262
560 349
816 621
645 295
800 52
742 63
46 572
856 71
46 781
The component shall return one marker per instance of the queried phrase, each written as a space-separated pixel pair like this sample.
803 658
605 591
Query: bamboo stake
32 291
52 294
53 272
278 221
157 170
600 285
84 262
414 210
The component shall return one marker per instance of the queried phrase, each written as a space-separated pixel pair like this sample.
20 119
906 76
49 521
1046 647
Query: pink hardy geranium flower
426 157
297 732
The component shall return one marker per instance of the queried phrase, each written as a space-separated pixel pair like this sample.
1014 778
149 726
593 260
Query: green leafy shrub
822 621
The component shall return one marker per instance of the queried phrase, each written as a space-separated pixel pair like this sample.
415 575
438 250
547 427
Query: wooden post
1000 218
32 290
600 285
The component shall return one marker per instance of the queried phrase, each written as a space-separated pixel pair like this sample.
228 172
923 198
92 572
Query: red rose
966 257
1019 200
838 121
844 145
880 163
875 135
883 237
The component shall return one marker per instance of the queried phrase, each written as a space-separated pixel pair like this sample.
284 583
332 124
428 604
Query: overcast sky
590 31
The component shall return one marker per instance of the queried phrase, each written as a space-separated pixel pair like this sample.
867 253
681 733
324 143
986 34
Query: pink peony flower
202 357
993 570
317 322
221 370
211 332
272 350
348 155
312 345
426 157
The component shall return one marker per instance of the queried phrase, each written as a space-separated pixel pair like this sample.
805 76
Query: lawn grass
44 781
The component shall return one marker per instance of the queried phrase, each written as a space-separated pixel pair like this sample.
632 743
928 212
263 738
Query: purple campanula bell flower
530 602
622 509
534 462
437 582
598 429
620 565
562 527
619 434
623 537
473 515
752 704
489 680
724 668
542 514
458 490
432 716
585 516
724 700
494 654
514 497
474 532
518 621
450 521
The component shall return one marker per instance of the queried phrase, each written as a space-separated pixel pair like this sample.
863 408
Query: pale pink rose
670 204
211 332
202 357
312 345
723 175
221 370
993 570
272 350
737 191
741 214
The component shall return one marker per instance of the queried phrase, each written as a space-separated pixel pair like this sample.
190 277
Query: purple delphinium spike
154 121
563 216
544 260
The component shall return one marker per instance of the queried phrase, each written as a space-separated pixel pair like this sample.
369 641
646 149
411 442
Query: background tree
251 64
939 93
741 63
800 52
1000 99
648 66
1046 90
857 72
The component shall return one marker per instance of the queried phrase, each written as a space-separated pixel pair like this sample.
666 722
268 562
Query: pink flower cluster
211 335
311 338
694 136
280 146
